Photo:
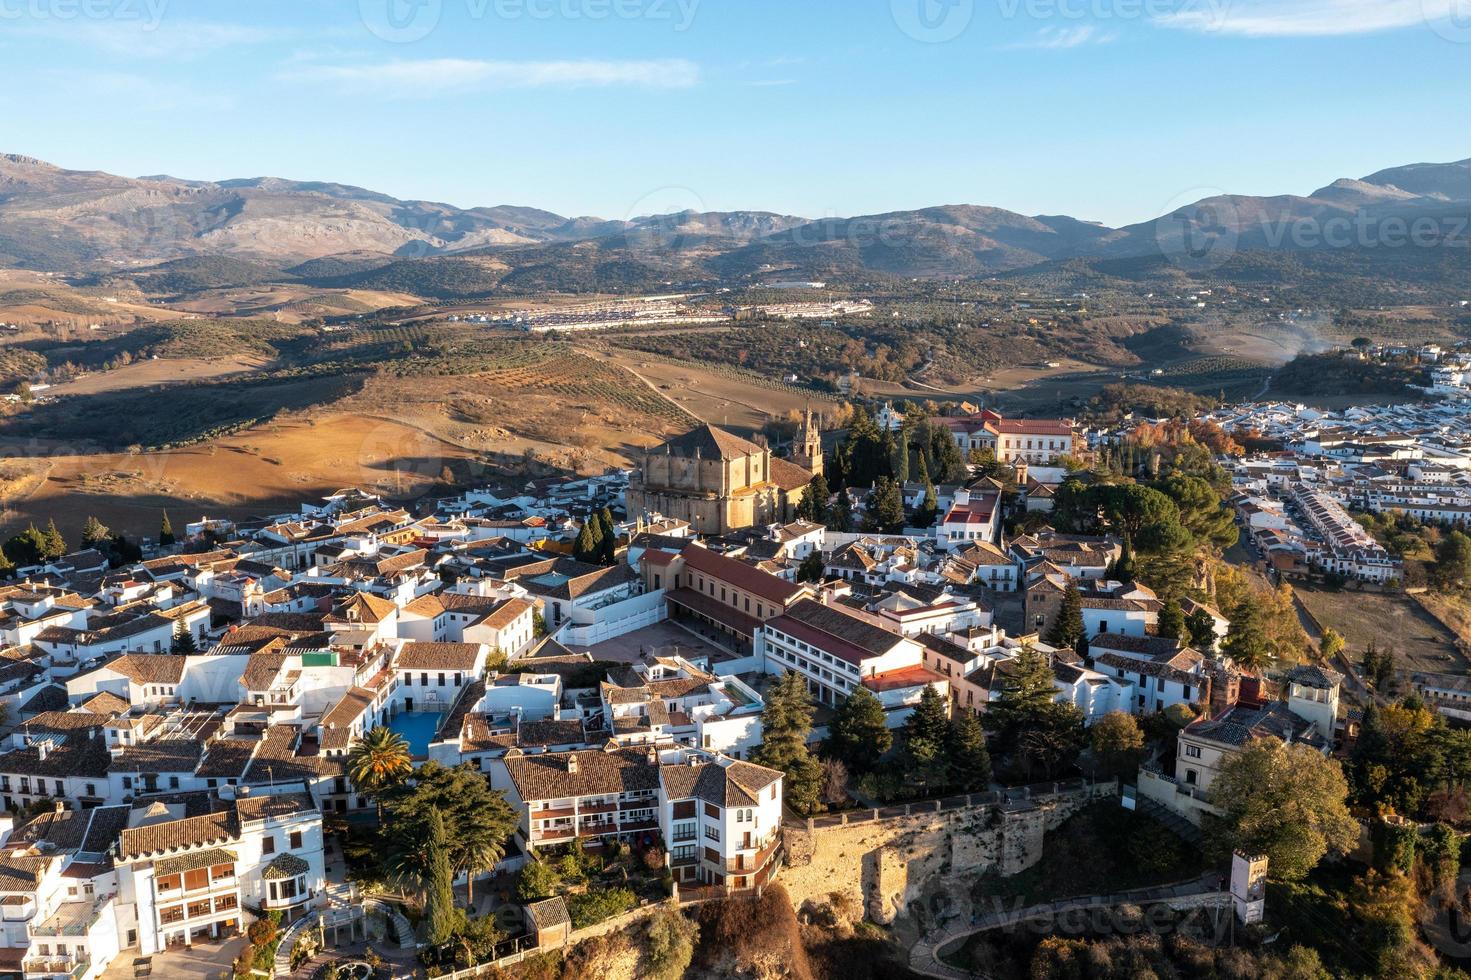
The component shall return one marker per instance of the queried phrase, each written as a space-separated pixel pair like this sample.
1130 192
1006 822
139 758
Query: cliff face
925 861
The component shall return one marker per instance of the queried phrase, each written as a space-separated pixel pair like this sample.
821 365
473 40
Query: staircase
1172 821
402 927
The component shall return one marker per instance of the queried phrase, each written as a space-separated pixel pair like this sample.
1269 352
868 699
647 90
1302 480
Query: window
268 845
296 840
712 832
684 810
1192 752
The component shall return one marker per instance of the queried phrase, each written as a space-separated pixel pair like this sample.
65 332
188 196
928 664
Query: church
720 482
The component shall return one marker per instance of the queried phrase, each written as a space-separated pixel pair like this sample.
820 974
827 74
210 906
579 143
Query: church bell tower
807 448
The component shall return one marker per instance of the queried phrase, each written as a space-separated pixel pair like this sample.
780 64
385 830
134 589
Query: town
483 727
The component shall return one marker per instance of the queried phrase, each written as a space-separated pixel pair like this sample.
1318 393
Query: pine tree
1068 631
440 915
1247 642
55 545
1123 569
165 531
94 532
970 761
184 640
927 738
786 725
886 507
858 734
1171 621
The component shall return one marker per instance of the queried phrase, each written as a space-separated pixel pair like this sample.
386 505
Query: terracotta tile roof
741 575
598 772
149 668
438 656
738 784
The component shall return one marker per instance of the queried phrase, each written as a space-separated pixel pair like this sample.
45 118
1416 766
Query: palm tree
481 853
377 761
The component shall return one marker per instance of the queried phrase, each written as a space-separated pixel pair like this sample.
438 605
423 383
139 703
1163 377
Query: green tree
786 726
442 920
669 946
28 547
94 533
1067 631
858 734
1333 643
929 508
1117 742
7 567
1452 569
814 504
1171 624
1288 802
1247 642
165 531
1200 628
477 819
54 545
886 507
377 761
184 642
1202 511
811 568
585 548
926 740
970 760
535 881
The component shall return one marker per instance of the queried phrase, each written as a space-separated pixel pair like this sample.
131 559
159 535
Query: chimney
572 764
653 756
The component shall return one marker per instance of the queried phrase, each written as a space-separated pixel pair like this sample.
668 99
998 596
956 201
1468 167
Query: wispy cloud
1305 18
144 39
439 75
1063 38
771 82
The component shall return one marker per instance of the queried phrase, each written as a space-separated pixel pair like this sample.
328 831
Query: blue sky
1109 110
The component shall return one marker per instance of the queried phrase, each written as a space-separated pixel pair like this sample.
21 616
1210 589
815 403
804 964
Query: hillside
332 235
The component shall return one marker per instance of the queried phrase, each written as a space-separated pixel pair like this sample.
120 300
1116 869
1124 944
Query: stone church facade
720 482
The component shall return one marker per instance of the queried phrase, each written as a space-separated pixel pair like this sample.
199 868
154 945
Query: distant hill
174 235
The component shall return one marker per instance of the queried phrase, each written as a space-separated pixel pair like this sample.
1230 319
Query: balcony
587 808
54 966
553 813
748 864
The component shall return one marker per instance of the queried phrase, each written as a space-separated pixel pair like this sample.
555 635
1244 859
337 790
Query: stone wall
887 864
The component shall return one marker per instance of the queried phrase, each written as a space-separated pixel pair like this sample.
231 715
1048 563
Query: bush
593 907
536 881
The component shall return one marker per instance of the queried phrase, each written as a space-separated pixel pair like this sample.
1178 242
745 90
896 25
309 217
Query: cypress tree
786 724
165 531
584 548
439 896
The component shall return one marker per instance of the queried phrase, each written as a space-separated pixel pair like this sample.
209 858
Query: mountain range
69 221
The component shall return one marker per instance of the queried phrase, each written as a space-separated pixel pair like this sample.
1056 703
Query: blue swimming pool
417 728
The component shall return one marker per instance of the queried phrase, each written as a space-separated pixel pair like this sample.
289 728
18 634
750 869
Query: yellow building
720 482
